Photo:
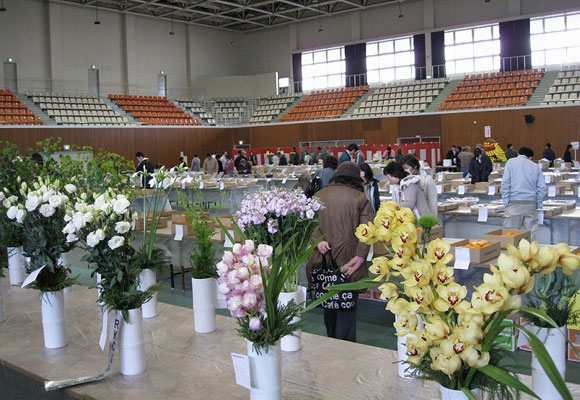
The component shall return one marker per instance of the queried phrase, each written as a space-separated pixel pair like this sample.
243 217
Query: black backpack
313 186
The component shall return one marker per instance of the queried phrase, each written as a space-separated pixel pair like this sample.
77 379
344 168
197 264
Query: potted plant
252 279
286 220
457 346
42 216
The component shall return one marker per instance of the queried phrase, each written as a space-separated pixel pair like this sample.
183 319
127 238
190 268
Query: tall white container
203 292
291 342
132 344
265 373
450 394
54 320
2 307
402 351
555 342
148 278
16 268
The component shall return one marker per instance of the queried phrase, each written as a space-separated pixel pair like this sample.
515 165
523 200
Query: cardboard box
449 176
478 256
467 188
493 210
179 218
139 223
187 229
493 189
228 223
436 233
164 213
544 164
447 206
552 210
561 164
444 188
565 204
481 186
504 240
460 182
552 178
508 337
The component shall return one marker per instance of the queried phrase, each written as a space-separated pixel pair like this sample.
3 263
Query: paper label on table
201 185
439 177
178 232
447 162
269 180
103 338
242 369
551 191
32 277
540 218
482 214
462 258
439 189
461 189
491 191
547 178
228 242
284 181
182 185
222 186
371 253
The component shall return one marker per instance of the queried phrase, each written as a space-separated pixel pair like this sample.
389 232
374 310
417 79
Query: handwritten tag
439 189
242 369
462 258
482 214
540 217
491 191
178 233
578 192
551 191
133 225
461 189
103 338
222 186
201 184
32 277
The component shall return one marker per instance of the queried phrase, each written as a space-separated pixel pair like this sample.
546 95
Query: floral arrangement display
494 151
283 219
42 215
456 346
204 258
252 279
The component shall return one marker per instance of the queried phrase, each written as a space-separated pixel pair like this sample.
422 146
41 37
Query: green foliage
203 258
427 221
107 169
156 260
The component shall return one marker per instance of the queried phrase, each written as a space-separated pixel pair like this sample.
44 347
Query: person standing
229 165
329 166
568 154
348 154
252 158
359 157
549 154
510 153
242 164
465 156
282 160
388 154
195 163
522 191
480 166
224 157
210 164
322 153
411 165
145 166
344 197
406 189
220 164
371 186
452 155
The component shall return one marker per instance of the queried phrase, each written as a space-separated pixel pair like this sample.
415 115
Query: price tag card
579 192
222 186
284 181
551 191
242 369
439 177
228 242
482 214
462 258
201 184
439 189
302 290
178 233
491 191
461 189
540 217
32 277
547 178
269 180
182 185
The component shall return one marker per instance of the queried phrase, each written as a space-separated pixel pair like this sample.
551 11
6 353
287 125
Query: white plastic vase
16 267
450 394
53 320
64 260
555 342
265 373
148 278
132 344
291 342
402 351
2 307
203 292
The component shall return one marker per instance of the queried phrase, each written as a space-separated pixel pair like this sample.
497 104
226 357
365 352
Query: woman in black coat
371 186
568 153
480 166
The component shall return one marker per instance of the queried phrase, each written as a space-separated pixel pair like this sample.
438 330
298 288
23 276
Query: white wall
254 86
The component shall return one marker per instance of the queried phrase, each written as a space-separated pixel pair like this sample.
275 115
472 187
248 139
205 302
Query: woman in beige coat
346 207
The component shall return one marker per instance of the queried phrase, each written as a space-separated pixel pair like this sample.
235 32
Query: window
390 60
472 49
323 68
283 82
555 39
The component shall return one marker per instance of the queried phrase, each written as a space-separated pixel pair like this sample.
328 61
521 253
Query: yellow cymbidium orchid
450 296
470 333
569 262
561 248
405 235
525 251
438 252
446 364
366 233
453 345
514 274
423 297
383 225
380 267
436 329
442 274
389 206
475 357
489 298
419 273
404 251
406 324
398 265
389 291
545 262
405 215
417 346
401 306
467 315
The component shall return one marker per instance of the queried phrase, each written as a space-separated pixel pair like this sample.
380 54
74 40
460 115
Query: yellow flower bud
570 263
436 329
406 324
446 364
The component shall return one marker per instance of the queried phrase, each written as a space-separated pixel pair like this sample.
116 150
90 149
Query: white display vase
2 307
64 261
555 342
291 342
132 344
16 266
148 278
265 372
53 320
203 292
402 355
450 394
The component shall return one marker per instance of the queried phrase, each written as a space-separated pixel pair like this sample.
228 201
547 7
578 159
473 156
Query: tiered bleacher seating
566 88
77 109
229 110
197 109
14 112
496 89
401 97
153 110
271 108
325 104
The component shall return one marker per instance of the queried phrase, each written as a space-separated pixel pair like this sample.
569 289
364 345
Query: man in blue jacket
348 154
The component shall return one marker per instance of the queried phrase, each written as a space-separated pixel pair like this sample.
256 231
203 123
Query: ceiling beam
139 5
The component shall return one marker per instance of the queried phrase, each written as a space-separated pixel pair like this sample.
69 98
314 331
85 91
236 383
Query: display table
182 364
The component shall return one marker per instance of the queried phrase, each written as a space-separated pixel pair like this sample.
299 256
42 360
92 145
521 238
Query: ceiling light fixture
97 22
320 29
172 32
400 12
2 8
233 41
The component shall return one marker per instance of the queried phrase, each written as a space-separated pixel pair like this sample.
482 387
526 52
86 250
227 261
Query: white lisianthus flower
47 210
67 218
79 220
20 215
122 227
100 201
71 238
100 234
11 213
6 203
120 206
47 195
55 201
116 242
12 199
32 202
153 183
69 228
70 188
92 239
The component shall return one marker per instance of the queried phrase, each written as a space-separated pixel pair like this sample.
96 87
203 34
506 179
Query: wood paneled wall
558 125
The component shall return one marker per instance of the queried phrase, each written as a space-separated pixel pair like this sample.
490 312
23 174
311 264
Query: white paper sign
182 185
439 189
201 184
440 177
551 191
133 225
284 181
462 258
242 369
540 217
461 189
371 253
103 338
579 192
178 232
487 131
269 180
447 162
32 277
547 178
482 214
222 186
228 242
491 191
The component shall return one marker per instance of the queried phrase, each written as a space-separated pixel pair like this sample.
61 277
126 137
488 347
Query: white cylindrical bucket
148 278
64 260
291 342
132 345
555 342
265 373
53 320
450 394
2 307
99 278
203 292
402 351
16 266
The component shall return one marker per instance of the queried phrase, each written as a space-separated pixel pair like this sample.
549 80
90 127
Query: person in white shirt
411 164
522 190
